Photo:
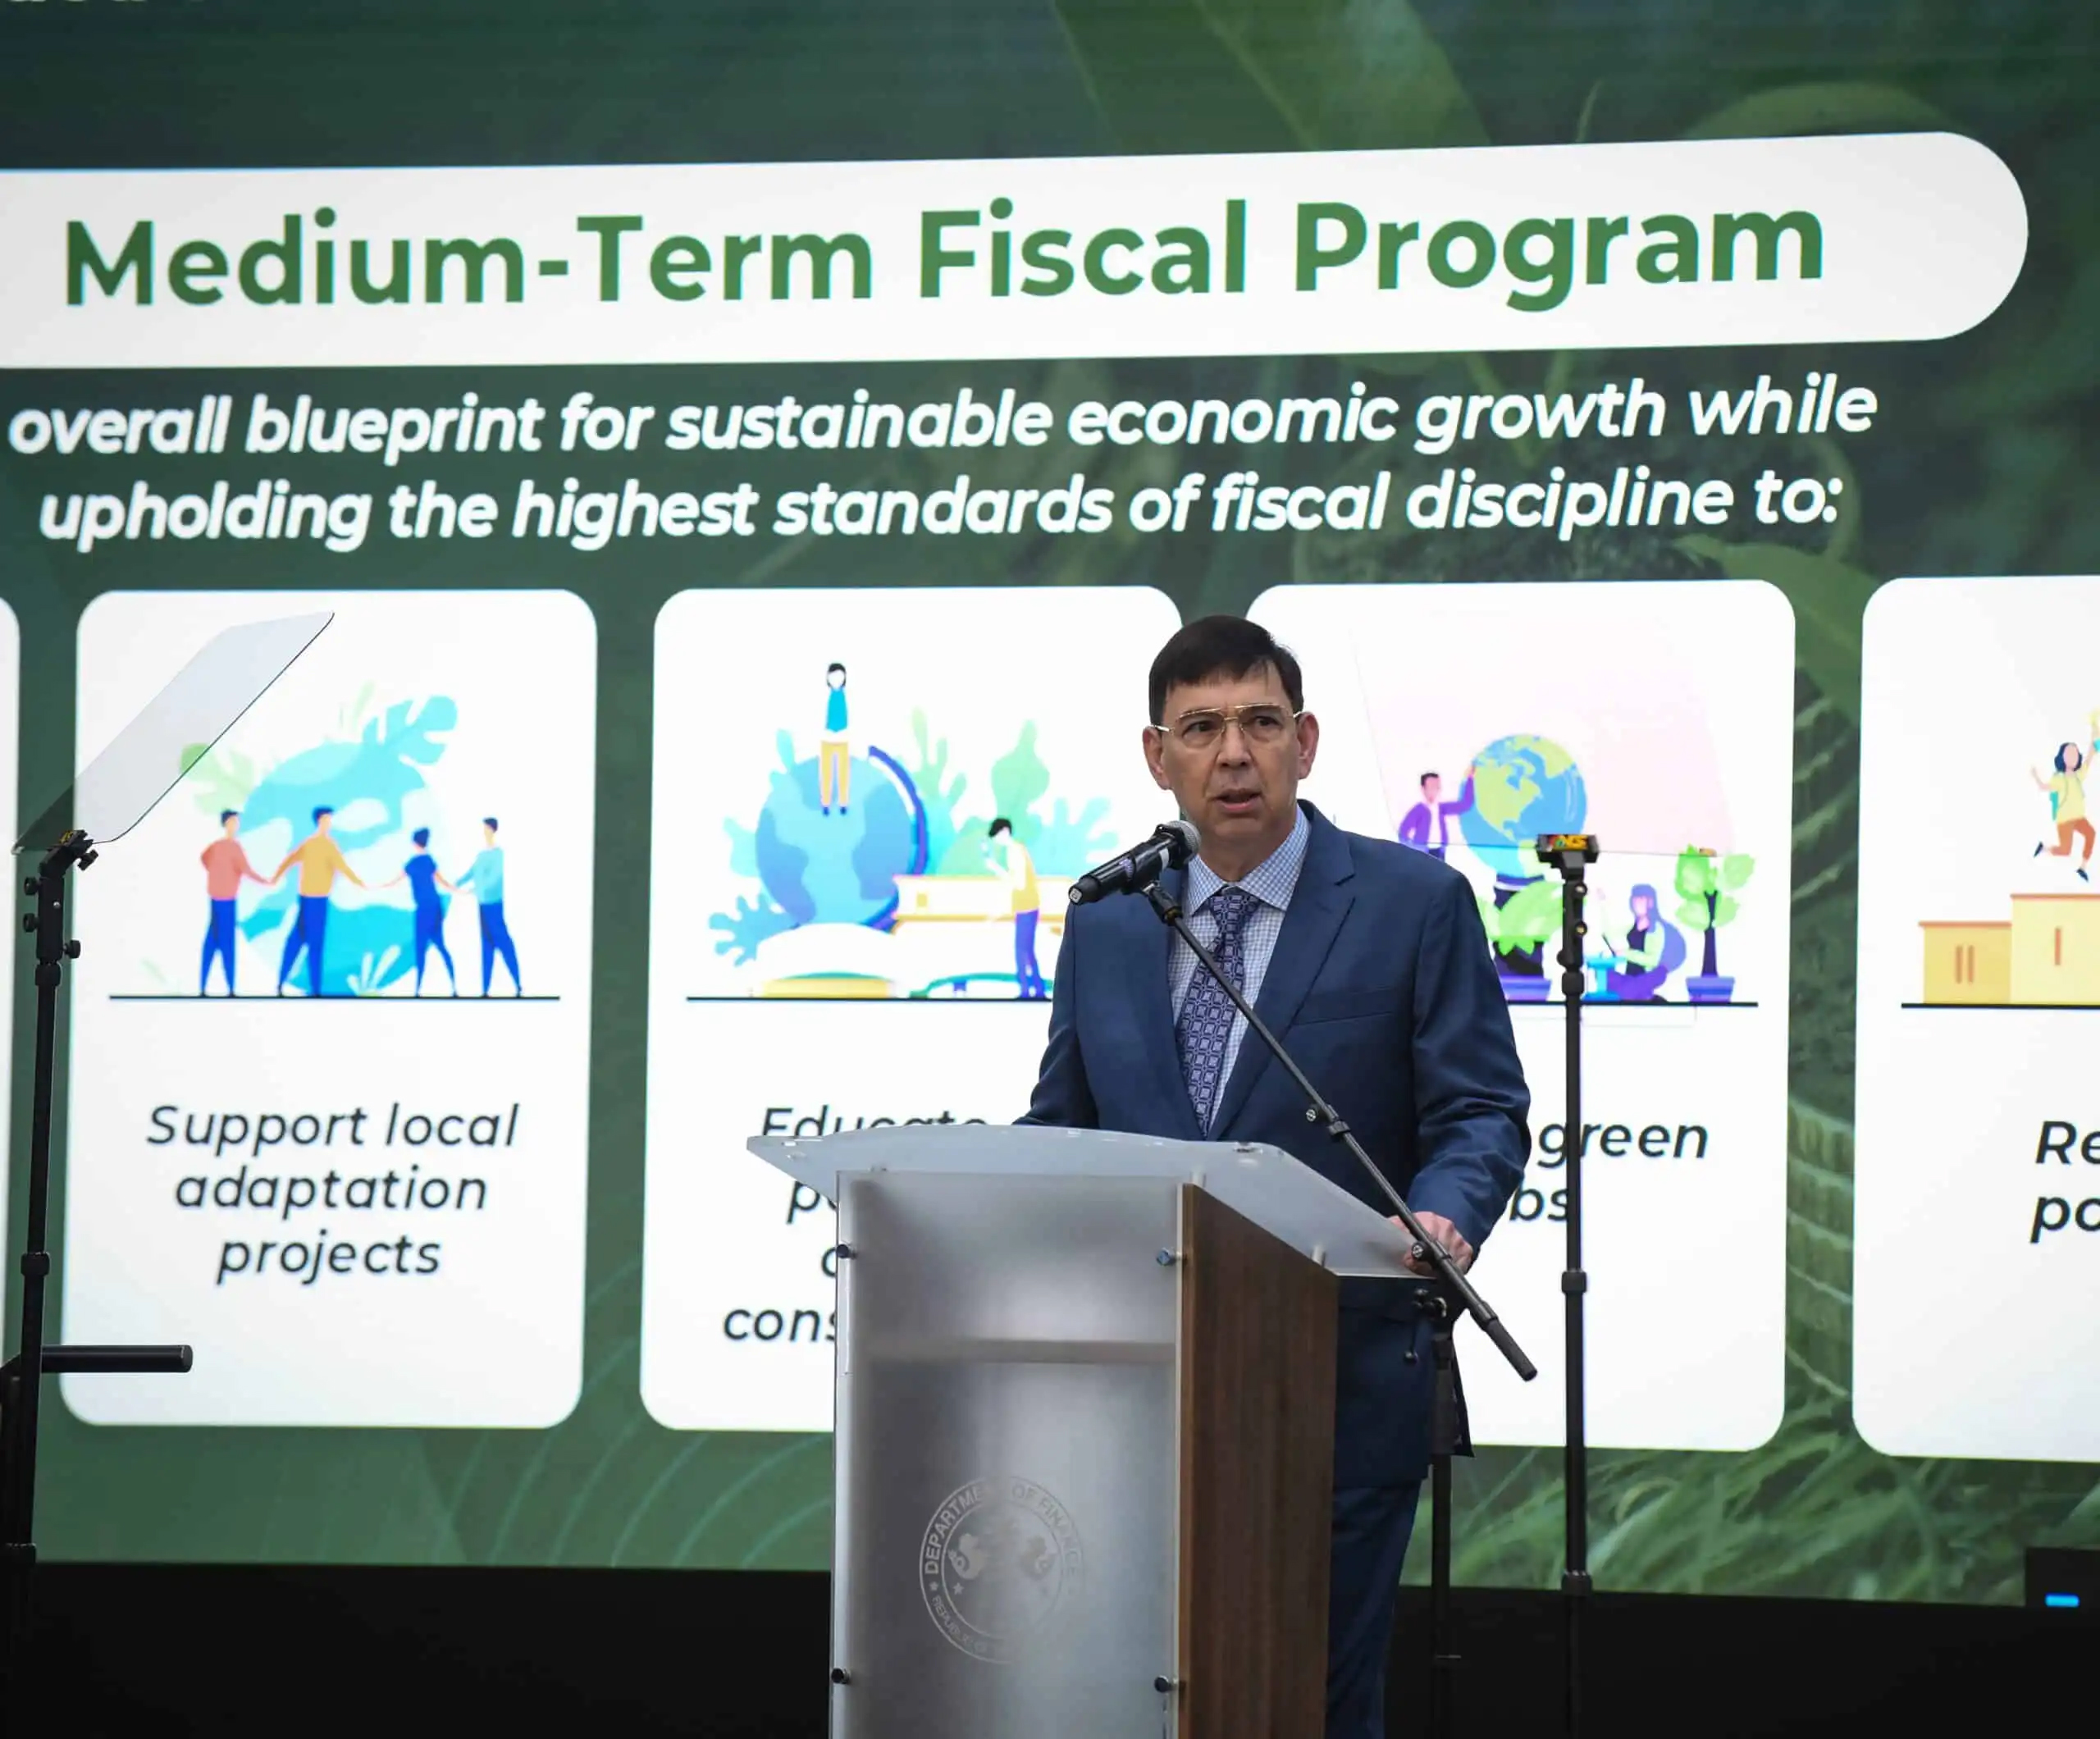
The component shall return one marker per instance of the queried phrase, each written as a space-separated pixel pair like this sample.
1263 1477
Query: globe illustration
1523 786
840 868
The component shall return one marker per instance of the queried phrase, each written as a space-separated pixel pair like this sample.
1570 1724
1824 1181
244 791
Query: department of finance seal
998 1560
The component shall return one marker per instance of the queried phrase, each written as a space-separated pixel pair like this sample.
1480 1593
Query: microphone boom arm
1318 1111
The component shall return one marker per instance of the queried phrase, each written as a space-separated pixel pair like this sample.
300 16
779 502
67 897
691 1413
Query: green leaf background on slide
1829 600
1315 75
1835 106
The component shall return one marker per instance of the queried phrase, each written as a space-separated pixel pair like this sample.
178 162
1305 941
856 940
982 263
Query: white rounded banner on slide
1976 1204
1465 720
1837 239
827 892
330 1028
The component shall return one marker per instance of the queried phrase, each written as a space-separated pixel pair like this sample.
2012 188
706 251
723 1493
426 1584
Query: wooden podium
1084 1427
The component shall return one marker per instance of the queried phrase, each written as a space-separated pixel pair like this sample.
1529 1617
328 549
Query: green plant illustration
219 780
372 973
1530 917
1706 886
940 794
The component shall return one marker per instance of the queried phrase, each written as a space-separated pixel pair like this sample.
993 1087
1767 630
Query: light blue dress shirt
1271 883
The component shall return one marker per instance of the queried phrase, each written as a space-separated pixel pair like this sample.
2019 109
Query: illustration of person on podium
2066 792
834 753
1369 961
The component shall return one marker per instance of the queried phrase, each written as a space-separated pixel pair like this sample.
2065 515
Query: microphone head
1182 841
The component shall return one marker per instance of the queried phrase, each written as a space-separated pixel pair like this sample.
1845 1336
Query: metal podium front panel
1005 1563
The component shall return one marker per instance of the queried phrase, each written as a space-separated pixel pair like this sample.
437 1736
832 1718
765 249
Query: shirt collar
1272 882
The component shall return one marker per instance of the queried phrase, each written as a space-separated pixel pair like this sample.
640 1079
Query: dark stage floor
168 1649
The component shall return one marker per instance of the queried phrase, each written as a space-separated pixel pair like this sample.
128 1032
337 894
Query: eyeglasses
1262 723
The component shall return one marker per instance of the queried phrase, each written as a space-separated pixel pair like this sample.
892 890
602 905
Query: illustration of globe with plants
820 912
1523 786
840 868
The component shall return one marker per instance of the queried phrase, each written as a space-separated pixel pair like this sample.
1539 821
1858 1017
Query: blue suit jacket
1382 987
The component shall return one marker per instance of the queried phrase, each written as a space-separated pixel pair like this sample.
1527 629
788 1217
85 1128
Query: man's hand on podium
1445 1233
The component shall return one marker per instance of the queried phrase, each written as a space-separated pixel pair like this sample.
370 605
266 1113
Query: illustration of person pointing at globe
320 861
1432 816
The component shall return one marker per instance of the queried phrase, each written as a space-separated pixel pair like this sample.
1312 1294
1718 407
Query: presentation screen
751 472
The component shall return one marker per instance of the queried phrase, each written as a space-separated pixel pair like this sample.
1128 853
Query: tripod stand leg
1442 1660
18 1487
1443 1441
15 1559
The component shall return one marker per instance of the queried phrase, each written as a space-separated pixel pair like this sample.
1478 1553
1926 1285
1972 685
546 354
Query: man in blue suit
1369 961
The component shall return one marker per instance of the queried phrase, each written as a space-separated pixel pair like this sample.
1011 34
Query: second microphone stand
1571 854
1452 1289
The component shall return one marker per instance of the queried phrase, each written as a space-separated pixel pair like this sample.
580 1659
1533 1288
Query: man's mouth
1237 802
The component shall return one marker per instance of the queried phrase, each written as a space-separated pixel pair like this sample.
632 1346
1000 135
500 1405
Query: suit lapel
1318 905
1151 994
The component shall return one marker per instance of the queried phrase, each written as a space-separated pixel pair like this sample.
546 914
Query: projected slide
1464 721
1977 1176
869 807
331 1025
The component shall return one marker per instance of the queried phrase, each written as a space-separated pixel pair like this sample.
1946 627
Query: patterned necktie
1207 1011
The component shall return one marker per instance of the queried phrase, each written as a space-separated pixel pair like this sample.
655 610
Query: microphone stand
1569 853
21 1376
1451 1287
1435 1304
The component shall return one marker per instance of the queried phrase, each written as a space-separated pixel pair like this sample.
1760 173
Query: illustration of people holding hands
485 876
424 880
225 868
320 861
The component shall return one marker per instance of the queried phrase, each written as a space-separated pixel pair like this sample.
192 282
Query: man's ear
1308 742
1155 744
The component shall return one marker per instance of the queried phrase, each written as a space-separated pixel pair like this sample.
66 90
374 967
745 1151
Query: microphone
1170 845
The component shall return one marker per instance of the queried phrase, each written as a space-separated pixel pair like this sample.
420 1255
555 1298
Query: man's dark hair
421 836
1000 826
226 815
1432 775
1222 646
489 822
325 809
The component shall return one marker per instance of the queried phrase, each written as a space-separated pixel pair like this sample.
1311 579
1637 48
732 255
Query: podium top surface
1262 1183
